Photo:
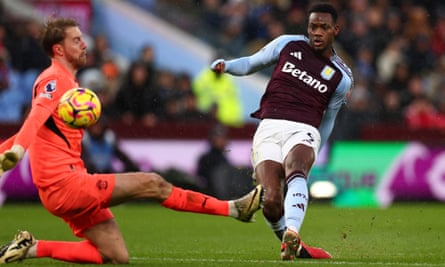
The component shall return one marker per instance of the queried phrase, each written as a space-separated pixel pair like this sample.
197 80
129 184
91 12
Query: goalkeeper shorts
81 199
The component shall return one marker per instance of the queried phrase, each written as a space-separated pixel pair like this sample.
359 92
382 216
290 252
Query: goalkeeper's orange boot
16 249
308 252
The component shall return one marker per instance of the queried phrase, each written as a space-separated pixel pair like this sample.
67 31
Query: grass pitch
409 234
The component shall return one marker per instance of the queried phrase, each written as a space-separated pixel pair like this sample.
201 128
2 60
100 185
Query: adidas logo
297 55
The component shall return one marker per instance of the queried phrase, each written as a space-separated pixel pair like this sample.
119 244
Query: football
79 108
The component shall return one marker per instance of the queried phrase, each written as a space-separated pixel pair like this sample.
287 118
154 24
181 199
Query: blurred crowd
131 90
395 48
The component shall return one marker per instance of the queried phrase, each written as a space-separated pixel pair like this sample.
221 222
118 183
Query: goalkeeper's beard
78 62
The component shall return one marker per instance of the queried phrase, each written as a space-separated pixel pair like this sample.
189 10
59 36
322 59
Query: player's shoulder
286 38
51 85
337 60
282 41
47 74
47 82
347 80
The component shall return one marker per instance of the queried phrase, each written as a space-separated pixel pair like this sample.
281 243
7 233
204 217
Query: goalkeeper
65 188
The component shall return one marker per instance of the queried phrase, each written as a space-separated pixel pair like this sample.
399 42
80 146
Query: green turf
403 235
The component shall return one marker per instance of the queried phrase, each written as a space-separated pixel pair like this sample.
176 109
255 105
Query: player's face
75 48
322 31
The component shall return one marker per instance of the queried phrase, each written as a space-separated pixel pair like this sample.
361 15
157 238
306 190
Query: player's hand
218 66
10 158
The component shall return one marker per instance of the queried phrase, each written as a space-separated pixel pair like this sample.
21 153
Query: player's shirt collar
60 67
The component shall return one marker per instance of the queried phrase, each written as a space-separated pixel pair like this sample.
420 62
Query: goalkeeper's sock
191 201
76 252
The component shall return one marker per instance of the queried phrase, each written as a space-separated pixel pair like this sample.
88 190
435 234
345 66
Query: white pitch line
306 262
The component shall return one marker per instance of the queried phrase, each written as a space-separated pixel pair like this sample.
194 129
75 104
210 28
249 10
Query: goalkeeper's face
322 31
74 48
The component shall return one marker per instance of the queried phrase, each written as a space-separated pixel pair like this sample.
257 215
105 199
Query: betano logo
304 77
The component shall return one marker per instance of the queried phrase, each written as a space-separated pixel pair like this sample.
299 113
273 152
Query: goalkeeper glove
10 158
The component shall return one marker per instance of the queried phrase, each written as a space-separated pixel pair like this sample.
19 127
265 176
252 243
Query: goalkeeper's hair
324 8
54 32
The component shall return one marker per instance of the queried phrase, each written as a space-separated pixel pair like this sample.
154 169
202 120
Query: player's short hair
324 8
54 32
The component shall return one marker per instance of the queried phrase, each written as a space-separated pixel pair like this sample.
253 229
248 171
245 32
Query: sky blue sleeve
334 105
327 124
265 57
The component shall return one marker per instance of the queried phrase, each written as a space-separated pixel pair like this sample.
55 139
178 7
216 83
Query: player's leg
141 185
105 243
109 241
297 165
24 246
267 158
82 204
270 174
301 149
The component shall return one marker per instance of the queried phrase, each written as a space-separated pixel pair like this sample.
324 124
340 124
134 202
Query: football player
309 84
65 187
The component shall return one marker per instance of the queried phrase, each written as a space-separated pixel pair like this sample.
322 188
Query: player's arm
24 137
7 144
265 57
41 109
327 124
35 120
337 101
